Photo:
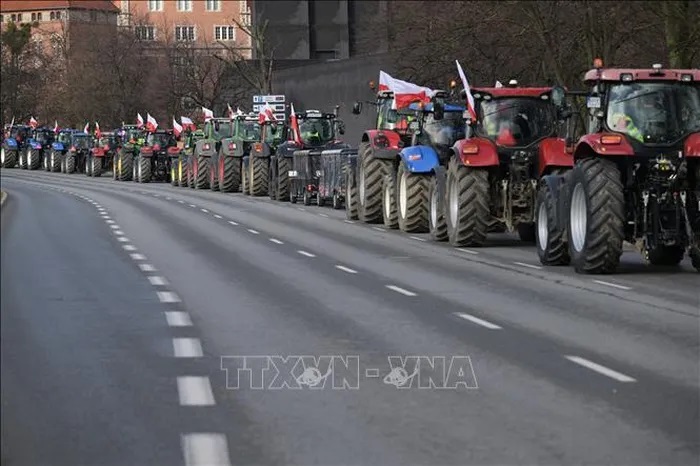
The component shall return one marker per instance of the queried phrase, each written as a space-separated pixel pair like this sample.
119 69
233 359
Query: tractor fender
560 191
692 145
229 148
595 143
477 152
260 149
385 144
173 151
97 152
58 146
34 144
287 149
146 152
419 159
204 148
552 153
11 143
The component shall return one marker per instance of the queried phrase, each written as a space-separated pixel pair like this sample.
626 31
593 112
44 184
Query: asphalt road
119 301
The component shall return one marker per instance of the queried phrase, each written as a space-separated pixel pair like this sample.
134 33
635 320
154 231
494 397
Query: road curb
3 197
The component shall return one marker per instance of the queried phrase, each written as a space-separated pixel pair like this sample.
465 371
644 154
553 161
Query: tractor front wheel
549 237
468 212
437 220
284 165
70 163
258 176
390 214
227 175
201 172
372 173
412 201
8 158
96 167
351 198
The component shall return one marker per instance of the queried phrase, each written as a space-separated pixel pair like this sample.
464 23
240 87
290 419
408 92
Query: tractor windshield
516 121
161 139
44 137
19 133
654 113
222 129
249 130
82 142
316 131
64 138
443 132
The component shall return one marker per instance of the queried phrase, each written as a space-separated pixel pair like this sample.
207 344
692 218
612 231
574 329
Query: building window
155 5
224 33
38 16
184 5
184 33
245 13
19 17
213 5
145 32
33 17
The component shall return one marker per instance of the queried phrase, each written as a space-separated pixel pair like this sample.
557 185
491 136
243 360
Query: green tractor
205 149
132 139
256 165
227 163
184 169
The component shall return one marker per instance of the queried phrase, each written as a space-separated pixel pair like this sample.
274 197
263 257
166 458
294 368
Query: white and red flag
139 120
151 123
498 84
231 113
208 114
467 91
266 114
33 123
294 125
87 128
404 92
56 129
177 128
98 133
239 111
187 124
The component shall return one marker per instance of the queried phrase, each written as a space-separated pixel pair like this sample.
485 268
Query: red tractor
493 175
636 176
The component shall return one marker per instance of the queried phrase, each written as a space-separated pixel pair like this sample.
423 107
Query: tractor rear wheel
372 172
549 238
351 198
96 168
284 165
70 163
336 203
437 220
213 181
258 176
244 180
666 255
227 174
45 162
55 162
22 161
596 217
125 163
174 180
201 172
33 159
88 166
390 213
412 201
144 170
8 158
467 207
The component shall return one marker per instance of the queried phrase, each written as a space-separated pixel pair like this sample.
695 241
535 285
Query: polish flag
231 113
208 114
151 123
56 129
498 84
294 124
404 92
470 98
33 123
87 128
139 120
239 111
187 124
177 128
98 133
266 114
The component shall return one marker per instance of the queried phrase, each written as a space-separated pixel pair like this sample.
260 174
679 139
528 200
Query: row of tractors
577 173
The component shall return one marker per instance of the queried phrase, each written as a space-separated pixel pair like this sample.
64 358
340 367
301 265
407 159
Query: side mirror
438 111
357 108
558 96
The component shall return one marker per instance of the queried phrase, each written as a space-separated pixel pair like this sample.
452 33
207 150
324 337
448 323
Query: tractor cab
317 129
20 133
80 142
192 138
43 136
161 140
218 128
64 136
246 128
435 124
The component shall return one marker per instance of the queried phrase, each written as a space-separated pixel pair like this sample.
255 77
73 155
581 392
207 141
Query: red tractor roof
643 74
513 91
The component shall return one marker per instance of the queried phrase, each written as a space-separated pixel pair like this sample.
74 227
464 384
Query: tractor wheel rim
403 195
433 209
454 203
2 155
542 227
362 185
387 200
578 217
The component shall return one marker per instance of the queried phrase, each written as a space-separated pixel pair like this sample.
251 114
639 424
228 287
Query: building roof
40 5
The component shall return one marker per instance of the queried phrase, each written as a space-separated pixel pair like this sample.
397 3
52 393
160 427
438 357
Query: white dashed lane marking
168 297
307 254
114 227
232 223
147 268
195 391
401 290
217 216
255 232
187 348
118 232
345 269
468 251
138 257
157 281
192 205
476 320
417 238
129 247
529 266
600 369
109 222
378 228
205 211
323 215
178 319
123 239
276 241
181 202
613 285
348 221
205 449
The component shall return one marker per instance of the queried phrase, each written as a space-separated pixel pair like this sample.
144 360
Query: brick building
203 23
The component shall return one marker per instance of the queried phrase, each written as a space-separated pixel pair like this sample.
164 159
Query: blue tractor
412 184
58 149
13 144
38 148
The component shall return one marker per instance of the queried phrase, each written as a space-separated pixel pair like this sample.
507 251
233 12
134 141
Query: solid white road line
178 319
307 254
137 257
468 251
417 238
400 290
530 266
600 369
302 209
195 391
205 449
232 223
348 221
217 216
255 232
323 215
156 280
614 285
123 239
276 241
168 297
205 211
181 202
128 247
187 348
477 321
345 269
378 228
147 268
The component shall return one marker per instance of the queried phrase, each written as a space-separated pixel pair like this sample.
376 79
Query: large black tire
96 167
88 167
467 206
390 213
596 217
174 179
694 253
125 166
412 200
284 165
369 184
33 159
228 182
202 174
351 198
143 170
665 255
213 175
190 172
8 158
437 220
245 187
336 203
55 161
550 240
22 160
70 163
259 176
45 162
